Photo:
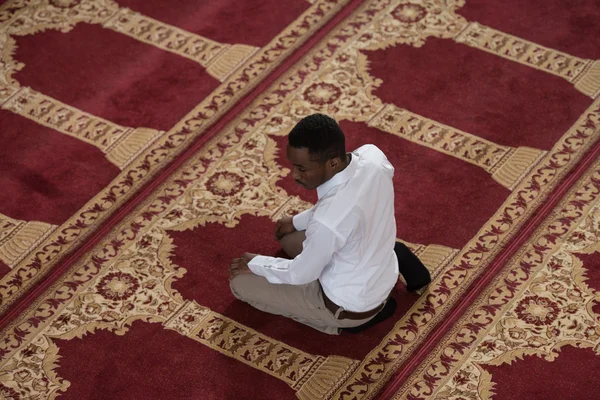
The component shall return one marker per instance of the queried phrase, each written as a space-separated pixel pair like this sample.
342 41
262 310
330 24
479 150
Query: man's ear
334 163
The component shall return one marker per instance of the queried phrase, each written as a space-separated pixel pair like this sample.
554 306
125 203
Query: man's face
307 172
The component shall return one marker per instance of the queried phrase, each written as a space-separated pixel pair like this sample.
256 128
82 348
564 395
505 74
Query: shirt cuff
257 264
300 221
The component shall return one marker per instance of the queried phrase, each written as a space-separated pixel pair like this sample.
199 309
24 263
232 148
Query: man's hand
239 266
283 227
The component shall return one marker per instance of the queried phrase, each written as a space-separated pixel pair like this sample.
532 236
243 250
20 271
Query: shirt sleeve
300 221
318 249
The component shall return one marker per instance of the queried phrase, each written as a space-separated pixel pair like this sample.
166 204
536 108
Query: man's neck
347 161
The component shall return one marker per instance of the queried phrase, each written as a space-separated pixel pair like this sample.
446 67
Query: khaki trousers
302 303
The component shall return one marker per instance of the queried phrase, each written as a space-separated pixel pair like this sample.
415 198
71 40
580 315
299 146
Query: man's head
317 150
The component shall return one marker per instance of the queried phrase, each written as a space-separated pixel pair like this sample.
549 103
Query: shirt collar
339 178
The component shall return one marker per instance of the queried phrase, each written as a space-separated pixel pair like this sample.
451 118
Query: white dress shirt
350 237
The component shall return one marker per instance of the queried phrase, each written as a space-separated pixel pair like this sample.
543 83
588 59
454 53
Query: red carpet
93 108
143 149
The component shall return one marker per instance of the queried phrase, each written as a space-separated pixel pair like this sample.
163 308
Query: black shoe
412 269
386 312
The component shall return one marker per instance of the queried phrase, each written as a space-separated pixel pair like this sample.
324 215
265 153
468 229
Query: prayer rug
98 96
490 114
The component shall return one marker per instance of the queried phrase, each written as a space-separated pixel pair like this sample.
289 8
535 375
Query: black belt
345 314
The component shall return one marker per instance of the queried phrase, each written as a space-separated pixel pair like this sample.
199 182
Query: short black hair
321 135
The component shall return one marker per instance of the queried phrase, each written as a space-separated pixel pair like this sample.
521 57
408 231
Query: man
344 265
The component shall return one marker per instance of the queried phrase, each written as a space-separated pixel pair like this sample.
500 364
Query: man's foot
386 312
412 269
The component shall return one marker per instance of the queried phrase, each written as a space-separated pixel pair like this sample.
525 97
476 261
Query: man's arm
300 221
320 245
